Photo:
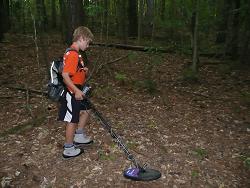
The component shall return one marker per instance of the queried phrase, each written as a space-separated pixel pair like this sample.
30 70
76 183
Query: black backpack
56 86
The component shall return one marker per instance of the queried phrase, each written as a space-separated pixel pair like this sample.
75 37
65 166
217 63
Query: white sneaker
72 152
82 139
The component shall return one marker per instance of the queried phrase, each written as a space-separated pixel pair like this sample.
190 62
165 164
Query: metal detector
138 172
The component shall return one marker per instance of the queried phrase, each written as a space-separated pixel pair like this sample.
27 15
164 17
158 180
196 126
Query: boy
74 108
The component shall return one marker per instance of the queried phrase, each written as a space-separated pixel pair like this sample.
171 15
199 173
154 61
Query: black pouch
55 92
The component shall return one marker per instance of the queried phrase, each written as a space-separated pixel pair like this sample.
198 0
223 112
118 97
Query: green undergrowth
200 153
102 155
246 161
25 126
245 98
190 75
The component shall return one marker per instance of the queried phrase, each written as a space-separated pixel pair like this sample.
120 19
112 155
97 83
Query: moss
25 126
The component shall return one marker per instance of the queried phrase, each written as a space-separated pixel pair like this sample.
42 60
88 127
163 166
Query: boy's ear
80 38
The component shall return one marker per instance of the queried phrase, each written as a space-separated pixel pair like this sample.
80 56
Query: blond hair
83 32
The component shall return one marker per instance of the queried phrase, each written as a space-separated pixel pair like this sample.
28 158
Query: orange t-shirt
73 64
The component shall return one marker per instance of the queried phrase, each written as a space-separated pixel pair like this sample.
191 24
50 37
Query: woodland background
216 27
172 76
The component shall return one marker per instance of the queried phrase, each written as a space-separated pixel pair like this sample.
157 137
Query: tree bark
74 17
63 24
53 14
106 20
41 15
235 30
149 18
131 47
195 36
4 17
132 18
1 20
140 20
223 19
245 49
122 17
162 9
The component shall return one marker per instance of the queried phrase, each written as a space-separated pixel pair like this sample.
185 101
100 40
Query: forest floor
196 134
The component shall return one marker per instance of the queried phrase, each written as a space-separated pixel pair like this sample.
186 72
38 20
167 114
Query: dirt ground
195 134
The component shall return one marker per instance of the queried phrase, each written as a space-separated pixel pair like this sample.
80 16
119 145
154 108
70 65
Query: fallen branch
134 48
7 97
111 62
28 102
28 90
108 63
115 60
154 49
35 122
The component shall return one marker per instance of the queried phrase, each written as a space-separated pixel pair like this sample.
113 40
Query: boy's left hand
85 69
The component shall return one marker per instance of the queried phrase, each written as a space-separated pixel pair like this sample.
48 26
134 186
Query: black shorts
70 108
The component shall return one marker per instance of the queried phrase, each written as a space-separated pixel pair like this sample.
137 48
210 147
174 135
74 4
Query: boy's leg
69 148
80 136
69 112
83 120
70 132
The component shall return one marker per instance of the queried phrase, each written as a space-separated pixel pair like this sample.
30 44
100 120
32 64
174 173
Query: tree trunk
106 20
63 24
245 54
223 18
4 17
235 30
77 16
23 18
172 19
227 49
162 10
245 49
132 18
72 16
85 5
1 20
6 14
53 14
122 17
149 18
134 48
195 36
140 20
41 15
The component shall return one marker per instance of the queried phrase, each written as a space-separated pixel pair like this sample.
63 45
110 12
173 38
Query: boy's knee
84 113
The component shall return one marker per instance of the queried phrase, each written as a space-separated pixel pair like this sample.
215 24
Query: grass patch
225 68
246 161
131 145
149 85
121 78
152 125
132 56
25 126
103 91
200 153
190 75
102 155
245 98
194 174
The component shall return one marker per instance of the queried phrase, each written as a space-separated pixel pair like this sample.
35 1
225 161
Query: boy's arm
78 93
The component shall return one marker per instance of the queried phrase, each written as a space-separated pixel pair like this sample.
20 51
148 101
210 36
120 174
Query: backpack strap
71 49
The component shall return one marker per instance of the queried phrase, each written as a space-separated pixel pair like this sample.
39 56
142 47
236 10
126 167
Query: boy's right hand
79 95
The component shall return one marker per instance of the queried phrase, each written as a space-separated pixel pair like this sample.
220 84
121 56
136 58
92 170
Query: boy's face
84 43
